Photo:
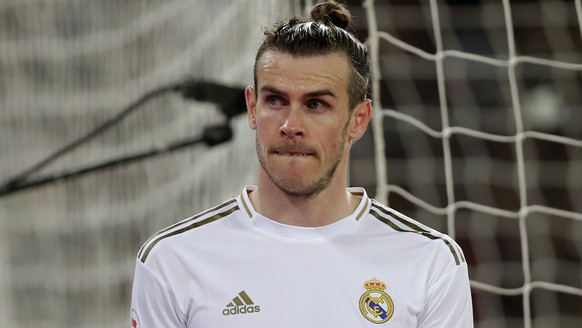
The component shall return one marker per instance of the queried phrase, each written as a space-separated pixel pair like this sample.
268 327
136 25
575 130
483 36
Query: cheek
339 130
331 140
265 119
267 126
263 136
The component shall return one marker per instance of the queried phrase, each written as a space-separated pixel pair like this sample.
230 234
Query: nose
293 126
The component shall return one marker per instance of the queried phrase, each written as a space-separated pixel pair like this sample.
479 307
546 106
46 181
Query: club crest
375 304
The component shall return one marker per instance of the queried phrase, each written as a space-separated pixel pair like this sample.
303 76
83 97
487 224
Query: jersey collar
288 231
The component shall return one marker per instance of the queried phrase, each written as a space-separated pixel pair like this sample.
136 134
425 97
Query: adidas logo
240 305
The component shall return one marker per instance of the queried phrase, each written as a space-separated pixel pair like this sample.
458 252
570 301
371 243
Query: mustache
292 147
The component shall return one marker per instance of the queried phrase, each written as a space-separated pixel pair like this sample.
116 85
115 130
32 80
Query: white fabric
193 273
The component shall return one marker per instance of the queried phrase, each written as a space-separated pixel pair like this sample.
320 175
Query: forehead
330 71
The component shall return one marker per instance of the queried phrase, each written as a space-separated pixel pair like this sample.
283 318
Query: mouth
294 151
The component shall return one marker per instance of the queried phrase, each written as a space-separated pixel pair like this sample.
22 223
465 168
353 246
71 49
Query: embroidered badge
375 304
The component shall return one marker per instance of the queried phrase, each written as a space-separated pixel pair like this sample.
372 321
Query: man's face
302 121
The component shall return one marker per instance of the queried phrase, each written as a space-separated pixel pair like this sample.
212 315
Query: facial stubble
298 188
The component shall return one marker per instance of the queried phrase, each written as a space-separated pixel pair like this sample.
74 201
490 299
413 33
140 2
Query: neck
328 206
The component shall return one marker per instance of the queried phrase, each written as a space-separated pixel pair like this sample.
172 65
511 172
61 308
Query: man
301 249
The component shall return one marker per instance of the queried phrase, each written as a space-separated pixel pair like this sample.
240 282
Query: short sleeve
153 303
448 303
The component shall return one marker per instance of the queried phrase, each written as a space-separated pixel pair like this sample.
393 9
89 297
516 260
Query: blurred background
477 132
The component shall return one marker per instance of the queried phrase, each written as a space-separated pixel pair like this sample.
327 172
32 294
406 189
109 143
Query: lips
296 150
291 153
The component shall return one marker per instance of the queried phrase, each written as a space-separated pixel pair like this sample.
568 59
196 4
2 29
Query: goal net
68 246
478 132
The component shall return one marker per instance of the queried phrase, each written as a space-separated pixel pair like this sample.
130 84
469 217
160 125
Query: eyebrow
316 93
271 89
324 92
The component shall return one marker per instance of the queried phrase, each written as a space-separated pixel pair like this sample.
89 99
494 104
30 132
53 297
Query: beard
300 187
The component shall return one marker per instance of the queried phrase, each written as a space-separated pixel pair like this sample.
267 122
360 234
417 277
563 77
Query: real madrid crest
375 304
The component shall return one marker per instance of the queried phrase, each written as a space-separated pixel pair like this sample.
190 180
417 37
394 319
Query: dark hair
324 33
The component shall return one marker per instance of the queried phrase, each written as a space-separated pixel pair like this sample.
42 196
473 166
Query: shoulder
189 225
445 247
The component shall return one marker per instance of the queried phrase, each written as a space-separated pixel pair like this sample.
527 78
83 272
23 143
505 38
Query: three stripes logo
241 304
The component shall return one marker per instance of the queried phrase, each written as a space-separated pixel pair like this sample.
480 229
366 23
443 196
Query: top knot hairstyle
331 13
325 32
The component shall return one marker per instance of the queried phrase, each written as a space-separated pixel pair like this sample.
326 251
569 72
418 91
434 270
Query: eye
273 100
316 104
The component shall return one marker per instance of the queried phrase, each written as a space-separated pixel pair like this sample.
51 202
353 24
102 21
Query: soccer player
301 249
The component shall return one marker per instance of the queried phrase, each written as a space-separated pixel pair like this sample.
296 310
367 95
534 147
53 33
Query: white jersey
232 267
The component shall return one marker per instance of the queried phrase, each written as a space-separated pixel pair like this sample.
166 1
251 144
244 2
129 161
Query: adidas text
241 310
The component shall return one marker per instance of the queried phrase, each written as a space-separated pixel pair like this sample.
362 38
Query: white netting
67 249
478 132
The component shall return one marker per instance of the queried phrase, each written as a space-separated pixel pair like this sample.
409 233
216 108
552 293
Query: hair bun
331 12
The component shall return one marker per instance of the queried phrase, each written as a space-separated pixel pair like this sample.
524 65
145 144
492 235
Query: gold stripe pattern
187 225
392 221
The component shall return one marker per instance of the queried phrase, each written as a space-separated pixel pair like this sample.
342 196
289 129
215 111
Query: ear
360 119
251 100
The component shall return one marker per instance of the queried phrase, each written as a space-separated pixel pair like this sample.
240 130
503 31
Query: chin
301 187
301 191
